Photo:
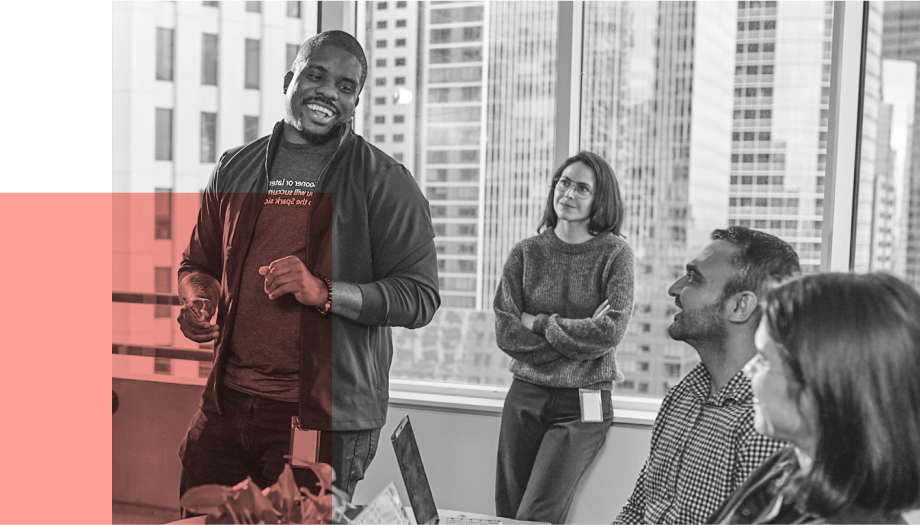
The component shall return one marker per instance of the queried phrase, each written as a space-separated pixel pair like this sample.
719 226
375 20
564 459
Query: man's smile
321 111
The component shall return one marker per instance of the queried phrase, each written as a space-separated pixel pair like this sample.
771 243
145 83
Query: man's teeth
320 109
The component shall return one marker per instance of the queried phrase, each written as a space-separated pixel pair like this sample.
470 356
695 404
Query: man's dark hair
339 39
607 212
760 260
850 342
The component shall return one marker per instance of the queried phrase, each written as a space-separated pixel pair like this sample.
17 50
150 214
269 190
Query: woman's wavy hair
607 209
852 343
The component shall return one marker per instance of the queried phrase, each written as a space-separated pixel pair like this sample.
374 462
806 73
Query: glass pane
162 204
888 210
466 103
292 50
293 9
209 57
700 141
252 63
208 137
163 134
250 128
164 53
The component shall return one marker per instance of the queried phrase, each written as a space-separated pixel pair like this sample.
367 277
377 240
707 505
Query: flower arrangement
283 502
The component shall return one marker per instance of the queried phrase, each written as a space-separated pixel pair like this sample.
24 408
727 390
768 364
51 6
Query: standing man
703 442
310 244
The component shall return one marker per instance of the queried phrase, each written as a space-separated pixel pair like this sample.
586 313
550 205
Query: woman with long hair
561 309
837 376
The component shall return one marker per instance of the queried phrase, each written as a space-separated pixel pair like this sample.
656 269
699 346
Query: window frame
839 212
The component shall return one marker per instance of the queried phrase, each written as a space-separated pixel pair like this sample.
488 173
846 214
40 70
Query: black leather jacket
370 225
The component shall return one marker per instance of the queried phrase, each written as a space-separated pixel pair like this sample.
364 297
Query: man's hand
289 275
198 329
198 293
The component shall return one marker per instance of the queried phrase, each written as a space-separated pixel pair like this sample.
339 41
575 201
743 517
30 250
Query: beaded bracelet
325 309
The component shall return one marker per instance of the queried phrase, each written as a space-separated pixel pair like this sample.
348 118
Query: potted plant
283 502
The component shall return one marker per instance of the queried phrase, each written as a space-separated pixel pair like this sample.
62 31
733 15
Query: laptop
417 487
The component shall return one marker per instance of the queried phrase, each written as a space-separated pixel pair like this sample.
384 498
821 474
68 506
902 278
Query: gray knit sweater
562 284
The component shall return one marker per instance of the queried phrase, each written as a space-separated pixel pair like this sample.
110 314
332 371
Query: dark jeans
252 438
543 450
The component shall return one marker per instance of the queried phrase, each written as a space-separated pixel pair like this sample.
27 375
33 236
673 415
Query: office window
254 7
292 50
400 42
209 59
208 137
380 139
399 81
293 9
380 81
165 53
252 69
447 125
162 210
210 4
381 24
399 138
380 44
400 23
398 157
381 62
162 283
250 128
400 5
380 119
163 148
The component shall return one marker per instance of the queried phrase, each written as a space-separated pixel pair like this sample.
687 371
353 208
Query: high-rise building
900 42
779 141
899 86
884 204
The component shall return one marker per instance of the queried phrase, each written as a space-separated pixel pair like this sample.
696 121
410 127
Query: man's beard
704 326
320 138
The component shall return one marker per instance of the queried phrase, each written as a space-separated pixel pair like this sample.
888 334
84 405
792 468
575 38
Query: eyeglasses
582 191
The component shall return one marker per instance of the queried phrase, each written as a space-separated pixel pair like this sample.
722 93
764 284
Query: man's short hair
336 38
760 260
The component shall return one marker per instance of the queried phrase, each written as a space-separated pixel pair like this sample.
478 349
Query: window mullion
843 136
568 79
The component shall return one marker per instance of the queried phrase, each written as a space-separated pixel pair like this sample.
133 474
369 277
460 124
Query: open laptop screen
413 474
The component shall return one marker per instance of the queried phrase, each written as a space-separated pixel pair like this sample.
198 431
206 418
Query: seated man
703 442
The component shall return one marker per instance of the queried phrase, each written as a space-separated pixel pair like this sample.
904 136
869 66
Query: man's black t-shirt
265 349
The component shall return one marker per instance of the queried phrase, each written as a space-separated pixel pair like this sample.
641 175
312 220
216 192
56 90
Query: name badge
591 406
304 444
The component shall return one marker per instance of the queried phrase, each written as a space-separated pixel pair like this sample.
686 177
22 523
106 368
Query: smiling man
310 244
703 442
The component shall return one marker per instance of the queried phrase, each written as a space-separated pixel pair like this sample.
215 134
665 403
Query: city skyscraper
779 141
900 42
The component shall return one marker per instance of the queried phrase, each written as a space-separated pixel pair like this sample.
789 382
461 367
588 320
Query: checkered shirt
703 447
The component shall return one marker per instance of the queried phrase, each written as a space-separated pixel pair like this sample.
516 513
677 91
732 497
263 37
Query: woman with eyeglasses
837 376
561 309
